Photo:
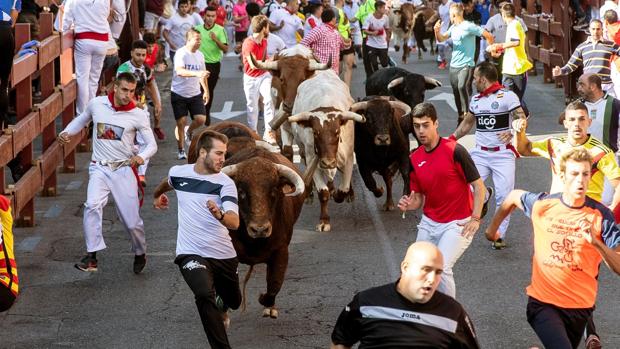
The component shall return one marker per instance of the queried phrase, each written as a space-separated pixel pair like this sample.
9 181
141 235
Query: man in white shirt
207 208
442 47
116 121
178 25
188 77
286 23
377 27
497 26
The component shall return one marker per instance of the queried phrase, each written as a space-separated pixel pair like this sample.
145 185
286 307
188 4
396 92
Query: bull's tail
245 282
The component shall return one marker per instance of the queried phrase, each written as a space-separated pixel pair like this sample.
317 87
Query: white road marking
447 97
227 112
29 244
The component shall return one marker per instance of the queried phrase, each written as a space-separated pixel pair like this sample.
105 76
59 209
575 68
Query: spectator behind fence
9 10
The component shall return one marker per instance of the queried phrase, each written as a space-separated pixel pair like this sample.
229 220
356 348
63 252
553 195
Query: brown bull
402 21
424 20
271 195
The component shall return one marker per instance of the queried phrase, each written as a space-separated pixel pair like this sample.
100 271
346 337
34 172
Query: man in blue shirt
9 9
463 34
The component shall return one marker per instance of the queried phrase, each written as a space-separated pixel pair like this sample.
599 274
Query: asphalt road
61 307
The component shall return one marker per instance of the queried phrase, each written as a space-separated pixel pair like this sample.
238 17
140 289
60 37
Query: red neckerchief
491 89
126 107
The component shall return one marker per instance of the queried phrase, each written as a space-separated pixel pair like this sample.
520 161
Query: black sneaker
485 206
88 263
498 244
139 262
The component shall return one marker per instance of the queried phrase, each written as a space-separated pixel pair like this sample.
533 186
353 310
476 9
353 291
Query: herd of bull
316 112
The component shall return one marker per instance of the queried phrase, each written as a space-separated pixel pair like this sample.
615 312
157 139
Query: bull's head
291 71
326 124
261 186
406 19
380 115
410 88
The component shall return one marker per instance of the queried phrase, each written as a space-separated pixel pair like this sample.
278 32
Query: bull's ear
286 186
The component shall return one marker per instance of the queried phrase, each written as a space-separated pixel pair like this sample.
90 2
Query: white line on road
29 244
388 251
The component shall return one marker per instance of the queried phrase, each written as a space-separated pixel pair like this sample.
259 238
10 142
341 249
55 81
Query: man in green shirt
213 44
367 7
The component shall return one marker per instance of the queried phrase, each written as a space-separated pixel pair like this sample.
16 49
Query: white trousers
501 166
89 55
123 186
448 238
254 88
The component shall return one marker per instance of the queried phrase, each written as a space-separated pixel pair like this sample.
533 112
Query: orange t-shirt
565 265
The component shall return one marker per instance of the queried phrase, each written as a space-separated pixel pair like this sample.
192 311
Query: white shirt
596 110
187 86
444 15
200 233
114 132
292 24
350 11
493 114
178 26
608 5
86 16
373 23
496 26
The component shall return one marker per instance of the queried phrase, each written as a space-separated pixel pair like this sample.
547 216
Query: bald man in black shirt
408 313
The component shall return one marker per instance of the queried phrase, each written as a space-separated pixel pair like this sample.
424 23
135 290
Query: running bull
405 86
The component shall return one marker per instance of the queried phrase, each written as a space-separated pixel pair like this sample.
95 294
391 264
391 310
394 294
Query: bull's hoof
271 312
339 196
420 55
396 48
378 192
324 227
388 206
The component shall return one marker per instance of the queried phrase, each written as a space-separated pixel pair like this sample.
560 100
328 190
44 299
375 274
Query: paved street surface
62 307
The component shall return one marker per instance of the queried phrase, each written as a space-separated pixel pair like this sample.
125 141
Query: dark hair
211 9
379 4
181 2
327 15
206 140
424 109
253 9
576 105
508 10
139 44
596 21
149 38
611 16
127 77
488 71
594 79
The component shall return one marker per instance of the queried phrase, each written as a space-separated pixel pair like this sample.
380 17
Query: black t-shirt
381 318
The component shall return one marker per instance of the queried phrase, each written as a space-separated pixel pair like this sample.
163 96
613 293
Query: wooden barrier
52 65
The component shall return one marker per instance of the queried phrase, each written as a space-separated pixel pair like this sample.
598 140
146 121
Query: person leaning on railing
9 9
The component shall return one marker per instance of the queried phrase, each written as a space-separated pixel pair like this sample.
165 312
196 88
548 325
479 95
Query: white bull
323 128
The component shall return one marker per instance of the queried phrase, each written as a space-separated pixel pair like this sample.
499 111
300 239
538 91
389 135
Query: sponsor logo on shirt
421 163
183 184
191 265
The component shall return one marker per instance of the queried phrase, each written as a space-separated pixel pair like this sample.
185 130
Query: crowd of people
484 45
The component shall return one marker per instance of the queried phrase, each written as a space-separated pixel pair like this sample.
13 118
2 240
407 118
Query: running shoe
442 65
269 137
188 139
142 180
88 263
485 206
498 244
593 342
181 154
159 133
139 262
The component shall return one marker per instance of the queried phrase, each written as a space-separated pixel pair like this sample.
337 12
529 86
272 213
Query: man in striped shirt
594 54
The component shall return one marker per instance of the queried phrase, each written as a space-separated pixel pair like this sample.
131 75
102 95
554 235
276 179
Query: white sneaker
270 137
182 155
188 140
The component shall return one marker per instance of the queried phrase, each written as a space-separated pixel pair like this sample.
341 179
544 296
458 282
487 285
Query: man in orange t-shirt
572 235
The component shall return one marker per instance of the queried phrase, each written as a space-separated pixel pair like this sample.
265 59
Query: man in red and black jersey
441 176
407 313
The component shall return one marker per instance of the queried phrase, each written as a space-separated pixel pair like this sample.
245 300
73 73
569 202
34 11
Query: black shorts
182 106
347 51
240 36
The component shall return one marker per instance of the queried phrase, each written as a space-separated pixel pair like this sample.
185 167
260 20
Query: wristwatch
222 213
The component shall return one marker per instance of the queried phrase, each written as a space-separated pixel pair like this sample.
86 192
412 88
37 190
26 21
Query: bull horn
432 81
320 66
266 146
349 115
310 171
293 177
303 116
359 106
277 121
395 82
402 106
230 170
269 65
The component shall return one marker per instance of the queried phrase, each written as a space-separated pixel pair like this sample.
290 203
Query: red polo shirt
257 50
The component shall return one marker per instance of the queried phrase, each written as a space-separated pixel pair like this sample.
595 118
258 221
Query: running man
441 179
492 111
572 234
116 120
207 208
